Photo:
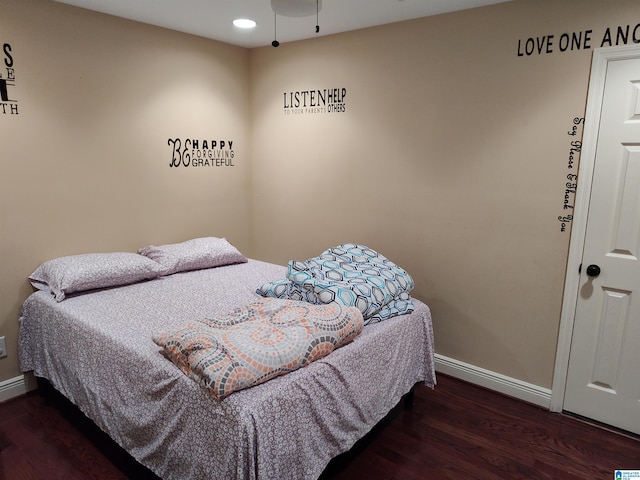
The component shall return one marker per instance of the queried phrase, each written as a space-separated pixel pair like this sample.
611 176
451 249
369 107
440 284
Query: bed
95 347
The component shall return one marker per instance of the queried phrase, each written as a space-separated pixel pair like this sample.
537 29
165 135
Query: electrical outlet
3 347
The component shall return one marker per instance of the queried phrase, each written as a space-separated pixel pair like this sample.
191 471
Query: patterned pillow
196 254
77 273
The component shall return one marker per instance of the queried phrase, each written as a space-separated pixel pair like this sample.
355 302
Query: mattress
96 348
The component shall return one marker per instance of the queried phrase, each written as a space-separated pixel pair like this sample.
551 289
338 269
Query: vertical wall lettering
571 179
8 103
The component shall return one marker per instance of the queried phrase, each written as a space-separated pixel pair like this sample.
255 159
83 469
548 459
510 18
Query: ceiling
213 18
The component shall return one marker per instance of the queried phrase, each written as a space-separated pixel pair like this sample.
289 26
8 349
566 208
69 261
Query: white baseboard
14 387
494 381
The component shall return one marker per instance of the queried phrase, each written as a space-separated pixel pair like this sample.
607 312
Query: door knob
593 270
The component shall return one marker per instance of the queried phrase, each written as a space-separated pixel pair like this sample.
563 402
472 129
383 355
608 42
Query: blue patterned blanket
352 275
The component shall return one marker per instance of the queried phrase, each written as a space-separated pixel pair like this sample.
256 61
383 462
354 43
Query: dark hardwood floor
457 431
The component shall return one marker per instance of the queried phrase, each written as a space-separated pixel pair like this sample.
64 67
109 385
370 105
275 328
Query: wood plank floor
457 431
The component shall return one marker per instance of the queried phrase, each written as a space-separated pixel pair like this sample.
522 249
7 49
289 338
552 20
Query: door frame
600 60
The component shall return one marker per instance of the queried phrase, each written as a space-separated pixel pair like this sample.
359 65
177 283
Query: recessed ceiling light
244 23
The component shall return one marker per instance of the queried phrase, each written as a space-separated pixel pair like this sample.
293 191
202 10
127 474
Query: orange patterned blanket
257 342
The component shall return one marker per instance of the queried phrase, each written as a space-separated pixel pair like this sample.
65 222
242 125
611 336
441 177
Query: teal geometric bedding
349 274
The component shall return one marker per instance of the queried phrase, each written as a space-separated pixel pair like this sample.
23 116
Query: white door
603 376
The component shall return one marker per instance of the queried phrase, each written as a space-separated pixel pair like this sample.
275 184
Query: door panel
603 378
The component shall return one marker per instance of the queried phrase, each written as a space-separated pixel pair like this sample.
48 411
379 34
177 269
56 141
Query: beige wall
85 163
451 159
451 156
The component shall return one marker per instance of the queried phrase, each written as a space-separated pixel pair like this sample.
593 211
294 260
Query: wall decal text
582 40
8 103
571 183
328 100
201 153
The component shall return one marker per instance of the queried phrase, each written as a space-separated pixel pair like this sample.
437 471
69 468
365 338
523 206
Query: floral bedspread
97 350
